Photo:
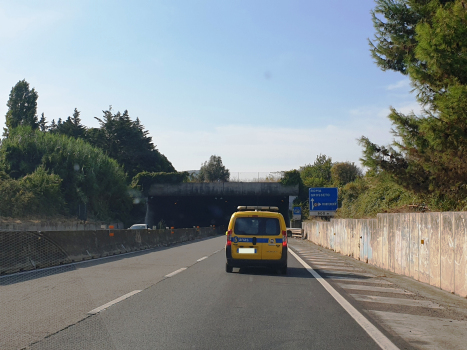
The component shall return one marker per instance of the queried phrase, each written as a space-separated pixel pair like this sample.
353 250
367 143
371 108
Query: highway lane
36 304
203 307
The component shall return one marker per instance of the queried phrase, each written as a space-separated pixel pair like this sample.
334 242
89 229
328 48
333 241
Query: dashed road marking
339 272
175 272
336 267
396 301
359 280
201 259
110 303
374 289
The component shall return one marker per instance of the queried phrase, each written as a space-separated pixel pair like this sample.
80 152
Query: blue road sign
323 200
297 213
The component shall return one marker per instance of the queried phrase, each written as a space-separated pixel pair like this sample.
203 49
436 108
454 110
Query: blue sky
267 85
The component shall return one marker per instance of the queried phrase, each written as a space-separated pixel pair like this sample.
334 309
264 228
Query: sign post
297 213
323 201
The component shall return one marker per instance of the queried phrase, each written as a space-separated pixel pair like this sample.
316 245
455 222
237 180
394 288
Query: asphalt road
203 307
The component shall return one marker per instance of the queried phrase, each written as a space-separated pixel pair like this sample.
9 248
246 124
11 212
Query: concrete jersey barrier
27 250
429 247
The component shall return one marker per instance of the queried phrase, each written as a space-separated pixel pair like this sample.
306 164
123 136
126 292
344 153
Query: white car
139 227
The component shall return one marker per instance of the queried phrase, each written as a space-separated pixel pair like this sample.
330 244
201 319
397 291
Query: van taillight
229 235
284 238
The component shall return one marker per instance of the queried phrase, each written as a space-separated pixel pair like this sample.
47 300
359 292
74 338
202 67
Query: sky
267 85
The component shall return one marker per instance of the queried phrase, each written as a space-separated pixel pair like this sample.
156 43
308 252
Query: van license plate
246 250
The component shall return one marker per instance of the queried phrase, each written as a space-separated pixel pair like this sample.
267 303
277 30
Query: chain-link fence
28 250
273 176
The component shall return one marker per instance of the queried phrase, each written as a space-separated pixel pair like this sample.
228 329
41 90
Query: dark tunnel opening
188 211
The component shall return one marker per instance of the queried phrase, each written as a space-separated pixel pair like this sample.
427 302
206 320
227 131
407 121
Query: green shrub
87 174
144 180
36 194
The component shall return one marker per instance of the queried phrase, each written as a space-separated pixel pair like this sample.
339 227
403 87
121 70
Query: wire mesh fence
261 176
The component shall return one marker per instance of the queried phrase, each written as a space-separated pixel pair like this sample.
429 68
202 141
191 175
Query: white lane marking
317 256
201 259
110 303
396 301
330 262
359 280
335 267
175 272
374 289
340 272
372 331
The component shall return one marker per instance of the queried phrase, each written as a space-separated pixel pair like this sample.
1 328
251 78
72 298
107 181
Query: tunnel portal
205 204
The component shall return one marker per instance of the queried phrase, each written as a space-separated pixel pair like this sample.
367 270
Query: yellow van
256 236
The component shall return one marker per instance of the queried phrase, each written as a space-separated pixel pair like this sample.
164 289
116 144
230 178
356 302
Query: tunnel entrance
205 204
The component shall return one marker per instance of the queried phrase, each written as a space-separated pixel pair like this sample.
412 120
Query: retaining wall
429 247
27 250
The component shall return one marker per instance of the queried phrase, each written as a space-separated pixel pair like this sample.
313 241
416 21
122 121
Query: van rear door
271 239
244 238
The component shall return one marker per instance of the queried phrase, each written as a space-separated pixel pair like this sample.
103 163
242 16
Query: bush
144 180
87 174
36 194
373 194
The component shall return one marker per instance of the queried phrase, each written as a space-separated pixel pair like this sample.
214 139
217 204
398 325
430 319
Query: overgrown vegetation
80 173
51 169
144 180
426 40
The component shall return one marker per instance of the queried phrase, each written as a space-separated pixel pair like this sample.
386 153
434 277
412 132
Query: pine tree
22 107
430 154
42 123
129 143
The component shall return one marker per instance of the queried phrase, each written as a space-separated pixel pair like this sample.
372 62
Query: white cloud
402 84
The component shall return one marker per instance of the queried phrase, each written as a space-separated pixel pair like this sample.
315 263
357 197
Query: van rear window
257 226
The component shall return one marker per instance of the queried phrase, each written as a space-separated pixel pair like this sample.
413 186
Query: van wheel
283 270
228 268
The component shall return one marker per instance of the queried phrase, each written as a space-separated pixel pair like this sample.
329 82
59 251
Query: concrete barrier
28 250
428 247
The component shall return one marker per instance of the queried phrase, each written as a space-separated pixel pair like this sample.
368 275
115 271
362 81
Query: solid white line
175 272
372 331
201 259
105 306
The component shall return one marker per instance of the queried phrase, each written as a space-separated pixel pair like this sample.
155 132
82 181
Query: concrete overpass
202 204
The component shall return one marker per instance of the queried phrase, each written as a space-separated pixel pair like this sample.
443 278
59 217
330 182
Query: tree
128 142
42 124
87 175
213 170
343 173
318 174
429 155
22 107
395 39
71 126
